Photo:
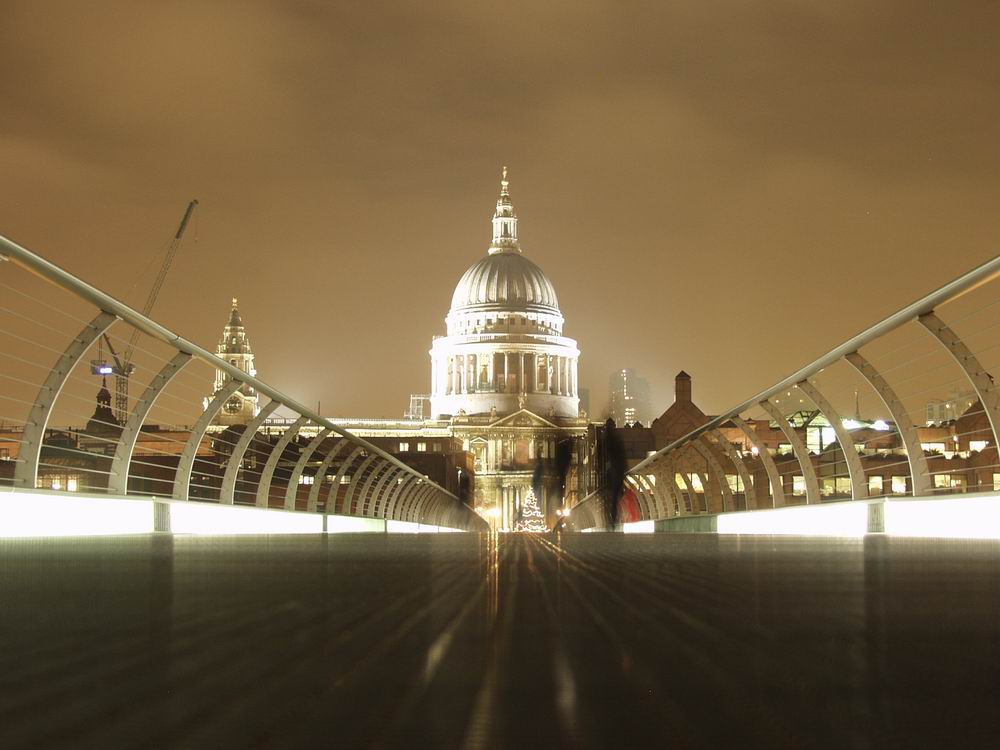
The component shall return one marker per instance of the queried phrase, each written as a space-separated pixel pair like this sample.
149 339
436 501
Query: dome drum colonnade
504 350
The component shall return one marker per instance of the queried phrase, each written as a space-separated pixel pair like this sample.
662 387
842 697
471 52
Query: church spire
504 221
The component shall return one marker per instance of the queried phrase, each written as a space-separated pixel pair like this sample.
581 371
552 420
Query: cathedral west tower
234 347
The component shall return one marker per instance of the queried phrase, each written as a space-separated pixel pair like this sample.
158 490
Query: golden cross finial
505 174
234 301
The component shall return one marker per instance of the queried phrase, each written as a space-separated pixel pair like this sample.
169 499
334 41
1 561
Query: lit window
306 479
465 445
827 486
942 481
72 484
695 480
4 454
933 447
437 447
996 482
421 447
735 482
56 483
874 486
404 447
346 479
784 449
798 485
843 485
899 485
978 445
814 439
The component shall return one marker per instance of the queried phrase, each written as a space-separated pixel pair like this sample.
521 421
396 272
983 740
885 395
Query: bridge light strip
837 520
204 518
952 518
42 514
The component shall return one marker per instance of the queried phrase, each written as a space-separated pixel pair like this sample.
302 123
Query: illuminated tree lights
531 519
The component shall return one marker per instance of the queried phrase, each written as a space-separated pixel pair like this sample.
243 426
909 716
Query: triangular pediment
523 418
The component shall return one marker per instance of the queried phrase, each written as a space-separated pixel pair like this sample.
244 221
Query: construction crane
123 368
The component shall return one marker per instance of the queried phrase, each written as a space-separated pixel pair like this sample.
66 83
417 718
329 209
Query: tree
530 519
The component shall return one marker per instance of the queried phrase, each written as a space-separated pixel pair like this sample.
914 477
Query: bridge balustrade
164 437
908 408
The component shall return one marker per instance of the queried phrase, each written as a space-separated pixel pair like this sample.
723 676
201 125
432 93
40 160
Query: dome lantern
504 221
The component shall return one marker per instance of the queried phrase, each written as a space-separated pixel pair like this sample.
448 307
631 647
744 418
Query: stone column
520 378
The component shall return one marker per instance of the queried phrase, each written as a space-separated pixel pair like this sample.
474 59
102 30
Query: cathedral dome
505 281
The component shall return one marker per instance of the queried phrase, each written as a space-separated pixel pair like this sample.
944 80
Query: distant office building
419 407
629 403
938 411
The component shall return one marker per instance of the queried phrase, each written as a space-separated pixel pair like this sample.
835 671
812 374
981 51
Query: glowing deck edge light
955 518
847 519
639 527
202 518
36 514
354 525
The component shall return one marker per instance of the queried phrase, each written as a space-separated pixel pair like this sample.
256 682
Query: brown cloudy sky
725 187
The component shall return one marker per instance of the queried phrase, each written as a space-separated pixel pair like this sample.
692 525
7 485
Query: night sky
731 188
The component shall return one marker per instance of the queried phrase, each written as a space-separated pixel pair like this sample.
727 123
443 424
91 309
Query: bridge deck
456 640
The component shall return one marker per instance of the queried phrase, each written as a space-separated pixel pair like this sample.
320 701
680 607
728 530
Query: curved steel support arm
749 488
227 496
426 504
26 468
799 449
920 479
356 480
417 503
331 496
369 492
300 465
367 496
399 498
657 508
980 380
773 475
405 503
642 499
665 481
382 488
118 481
855 470
707 452
689 489
314 491
182 477
264 486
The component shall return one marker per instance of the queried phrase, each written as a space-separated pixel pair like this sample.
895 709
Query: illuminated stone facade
504 379
234 347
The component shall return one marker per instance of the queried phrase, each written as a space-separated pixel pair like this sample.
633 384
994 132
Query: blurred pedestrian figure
612 473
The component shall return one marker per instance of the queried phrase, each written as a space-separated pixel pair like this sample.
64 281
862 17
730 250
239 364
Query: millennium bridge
301 592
